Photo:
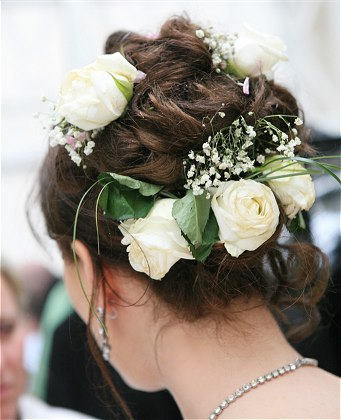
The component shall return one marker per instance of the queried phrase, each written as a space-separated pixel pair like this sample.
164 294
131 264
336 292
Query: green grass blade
75 256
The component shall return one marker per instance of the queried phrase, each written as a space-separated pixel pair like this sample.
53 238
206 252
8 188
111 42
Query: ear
80 278
124 287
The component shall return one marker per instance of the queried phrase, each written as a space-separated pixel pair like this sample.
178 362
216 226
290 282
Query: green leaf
209 238
126 198
144 188
311 161
124 204
191 214
122 51
125 87
297 224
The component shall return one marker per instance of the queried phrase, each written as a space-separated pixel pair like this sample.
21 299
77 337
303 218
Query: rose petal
246 86
140 76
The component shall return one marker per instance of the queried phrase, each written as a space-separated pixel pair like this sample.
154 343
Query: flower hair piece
246 53
233 184
233 189
90 98
238 149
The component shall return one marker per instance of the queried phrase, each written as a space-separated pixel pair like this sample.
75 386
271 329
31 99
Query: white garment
31 408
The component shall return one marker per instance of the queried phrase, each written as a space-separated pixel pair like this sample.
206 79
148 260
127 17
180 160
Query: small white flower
200 33
252 134
284 136
191 154
87 151
197 190
237 170
281 147
267 151
216 61
223 166
53 142
212 170
260 159
215 158
227 175
221 114
275 138
298 121
250 131
204 178
91 144
247 144
238 132
200 159
294 131
76 158
69 149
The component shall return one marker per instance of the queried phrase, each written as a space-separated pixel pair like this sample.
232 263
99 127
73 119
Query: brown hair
164 122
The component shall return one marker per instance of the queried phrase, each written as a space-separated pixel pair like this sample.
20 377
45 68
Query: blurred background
42 40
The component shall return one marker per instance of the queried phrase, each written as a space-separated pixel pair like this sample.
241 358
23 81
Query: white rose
89 97
155 241
247 214
295 193
256 53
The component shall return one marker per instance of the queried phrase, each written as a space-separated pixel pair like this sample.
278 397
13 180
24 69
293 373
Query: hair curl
163 122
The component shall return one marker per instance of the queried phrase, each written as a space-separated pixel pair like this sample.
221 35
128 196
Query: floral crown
233 183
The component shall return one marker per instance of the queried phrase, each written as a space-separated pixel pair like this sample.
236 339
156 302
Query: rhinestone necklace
260 380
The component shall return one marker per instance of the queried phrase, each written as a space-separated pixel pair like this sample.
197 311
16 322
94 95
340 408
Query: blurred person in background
15 402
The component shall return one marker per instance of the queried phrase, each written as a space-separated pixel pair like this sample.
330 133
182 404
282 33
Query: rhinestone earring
102 333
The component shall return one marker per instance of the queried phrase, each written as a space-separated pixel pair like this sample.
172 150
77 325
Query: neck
201 366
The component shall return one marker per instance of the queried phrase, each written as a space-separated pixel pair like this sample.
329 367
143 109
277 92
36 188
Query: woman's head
162 124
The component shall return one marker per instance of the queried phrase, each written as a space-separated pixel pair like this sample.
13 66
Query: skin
197 363
12 333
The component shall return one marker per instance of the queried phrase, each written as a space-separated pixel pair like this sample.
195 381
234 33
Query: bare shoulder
321 390
308 393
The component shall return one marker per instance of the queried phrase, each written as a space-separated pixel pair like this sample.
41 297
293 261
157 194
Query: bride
175 255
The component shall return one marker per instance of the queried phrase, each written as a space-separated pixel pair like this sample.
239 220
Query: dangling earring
102 333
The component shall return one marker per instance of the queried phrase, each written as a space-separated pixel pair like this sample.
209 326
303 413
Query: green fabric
57 308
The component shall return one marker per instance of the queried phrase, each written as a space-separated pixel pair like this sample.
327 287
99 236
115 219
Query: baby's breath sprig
76 141
221 46
236 150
